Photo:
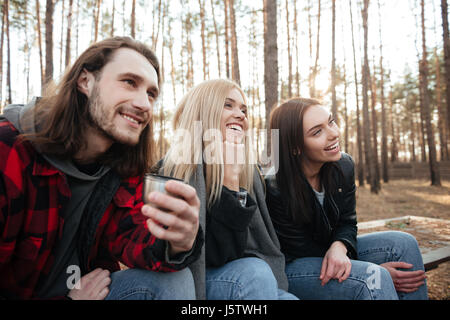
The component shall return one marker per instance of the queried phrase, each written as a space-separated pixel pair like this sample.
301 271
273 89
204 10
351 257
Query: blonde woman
212 152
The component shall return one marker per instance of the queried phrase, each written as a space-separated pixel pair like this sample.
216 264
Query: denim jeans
244 279
367 280
140 284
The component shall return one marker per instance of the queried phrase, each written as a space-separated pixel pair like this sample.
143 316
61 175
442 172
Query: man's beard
102 121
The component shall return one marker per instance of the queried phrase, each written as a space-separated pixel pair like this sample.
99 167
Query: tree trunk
367 143
61 44
96 19
133 20
113 15
346 132
162 68
201 3
394 149
49 41
38 27
190 58
27 51
413 138
78 29
297 61
434 169
172 65
310 46
442 120
1 55
8 75
312 86
235 74
384 152
441 111
216 32
333 62
155 40
375 130
270 60
358 125
227 39
289 51
422 121
154 20
445 34
163 45
183 49
69 30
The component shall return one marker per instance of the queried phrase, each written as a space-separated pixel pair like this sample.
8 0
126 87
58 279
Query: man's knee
155 285
180 285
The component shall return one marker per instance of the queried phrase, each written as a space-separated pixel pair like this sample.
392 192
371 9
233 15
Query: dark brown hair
288 119
62 114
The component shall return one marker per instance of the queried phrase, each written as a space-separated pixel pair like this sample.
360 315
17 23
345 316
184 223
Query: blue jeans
140 284
244 279
367 280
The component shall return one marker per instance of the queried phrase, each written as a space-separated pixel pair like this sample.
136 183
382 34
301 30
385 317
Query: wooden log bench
432 257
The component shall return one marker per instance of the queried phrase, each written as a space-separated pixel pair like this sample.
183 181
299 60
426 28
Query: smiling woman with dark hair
312 203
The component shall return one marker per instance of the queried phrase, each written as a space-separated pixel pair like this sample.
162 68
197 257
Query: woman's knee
255 269
375 283
404 242
245 278
394 243
403 237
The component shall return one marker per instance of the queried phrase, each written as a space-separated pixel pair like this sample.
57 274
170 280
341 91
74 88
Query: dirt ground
415 198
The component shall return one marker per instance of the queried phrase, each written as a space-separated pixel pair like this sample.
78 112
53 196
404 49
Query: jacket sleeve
128 239
346 229
7 240
7 247
11 199
227 228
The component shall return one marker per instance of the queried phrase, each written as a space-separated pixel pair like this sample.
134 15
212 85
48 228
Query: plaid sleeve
6 245
11 213
129 240
11 200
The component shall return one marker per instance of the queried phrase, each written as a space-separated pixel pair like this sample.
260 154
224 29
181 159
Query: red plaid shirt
32 193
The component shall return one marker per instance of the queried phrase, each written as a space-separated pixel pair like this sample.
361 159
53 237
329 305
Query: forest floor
412 198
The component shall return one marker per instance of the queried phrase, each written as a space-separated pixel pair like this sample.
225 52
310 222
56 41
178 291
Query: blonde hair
204 103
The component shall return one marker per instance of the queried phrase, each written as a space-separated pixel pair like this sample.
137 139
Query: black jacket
227 224
336 220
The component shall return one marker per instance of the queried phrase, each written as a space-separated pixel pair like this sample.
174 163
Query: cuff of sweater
181 258
229 211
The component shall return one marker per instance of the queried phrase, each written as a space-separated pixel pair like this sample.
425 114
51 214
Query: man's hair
62 114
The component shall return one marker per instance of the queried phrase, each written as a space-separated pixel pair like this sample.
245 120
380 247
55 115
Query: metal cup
155 182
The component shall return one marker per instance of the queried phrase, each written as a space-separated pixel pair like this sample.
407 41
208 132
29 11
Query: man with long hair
71 169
